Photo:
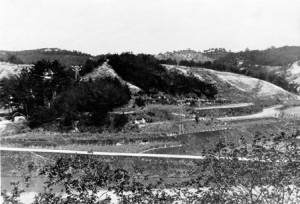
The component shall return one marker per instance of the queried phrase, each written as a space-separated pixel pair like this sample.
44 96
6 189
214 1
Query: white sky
148 26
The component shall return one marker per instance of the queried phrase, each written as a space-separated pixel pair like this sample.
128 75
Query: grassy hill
7 69
276 65
188 55
65 57
236 87
281 56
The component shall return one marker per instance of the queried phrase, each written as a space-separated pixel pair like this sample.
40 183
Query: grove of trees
48 91
147 73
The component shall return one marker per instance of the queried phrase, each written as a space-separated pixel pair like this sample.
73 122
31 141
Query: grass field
192 143
16 164
128 148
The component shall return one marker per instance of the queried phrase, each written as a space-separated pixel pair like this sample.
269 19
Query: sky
148 26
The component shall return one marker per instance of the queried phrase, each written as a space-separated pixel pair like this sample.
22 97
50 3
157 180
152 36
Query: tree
16 93
48 79
96 97
14 59
32 92
262 171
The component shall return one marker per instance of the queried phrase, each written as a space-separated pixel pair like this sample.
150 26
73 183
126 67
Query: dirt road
235 105
101 153
266 113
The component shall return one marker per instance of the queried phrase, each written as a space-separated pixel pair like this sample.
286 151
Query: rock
15 128
19 119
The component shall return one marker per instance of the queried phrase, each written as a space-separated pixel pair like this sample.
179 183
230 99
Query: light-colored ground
294 68
7 68
292 110
240 82
3 121
235 105
266 113
164 147
249 84
100 153
105 70
44 150
140 147
3 125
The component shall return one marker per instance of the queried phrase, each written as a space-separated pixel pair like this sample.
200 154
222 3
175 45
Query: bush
96 98
140 102
120 120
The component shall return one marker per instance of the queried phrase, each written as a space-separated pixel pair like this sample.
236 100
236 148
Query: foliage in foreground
264 170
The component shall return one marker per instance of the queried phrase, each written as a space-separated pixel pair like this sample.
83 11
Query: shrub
140 102
120 120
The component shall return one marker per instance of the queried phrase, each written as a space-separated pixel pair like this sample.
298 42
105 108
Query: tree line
146 72
48 91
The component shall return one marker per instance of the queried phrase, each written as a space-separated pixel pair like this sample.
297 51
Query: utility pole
76 69
181 128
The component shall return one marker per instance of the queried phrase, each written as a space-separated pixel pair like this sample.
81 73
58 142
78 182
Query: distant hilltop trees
65 57
188 54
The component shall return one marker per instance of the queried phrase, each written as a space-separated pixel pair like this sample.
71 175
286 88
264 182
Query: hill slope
105 70
236 87
7 68
293 72
65 57
188 55
279 66
281 56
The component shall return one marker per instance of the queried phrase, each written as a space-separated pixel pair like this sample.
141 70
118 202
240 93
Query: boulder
19 119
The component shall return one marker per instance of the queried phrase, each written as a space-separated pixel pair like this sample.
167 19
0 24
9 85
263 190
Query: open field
15 163
192 143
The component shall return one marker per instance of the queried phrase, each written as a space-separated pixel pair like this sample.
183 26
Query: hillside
188 55
281 56
65 57
278 66
7 68
105 70
283 61
236 87
293 72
